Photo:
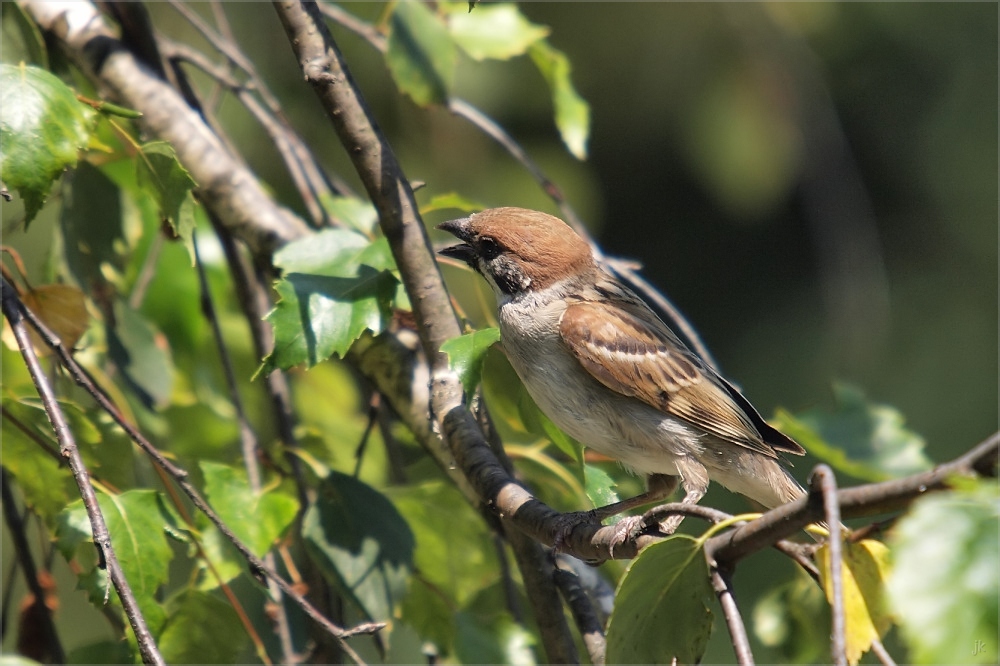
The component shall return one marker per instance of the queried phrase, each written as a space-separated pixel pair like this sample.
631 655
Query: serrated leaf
136 522
201 628
337 285
864 567
320 316
572 113
43 128
660 611
865 440
358 213
498 31
361 544
421 55
159 174
466 354
142 353
258 519
451 200
945 584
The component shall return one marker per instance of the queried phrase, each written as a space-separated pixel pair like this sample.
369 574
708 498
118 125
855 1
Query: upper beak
462 251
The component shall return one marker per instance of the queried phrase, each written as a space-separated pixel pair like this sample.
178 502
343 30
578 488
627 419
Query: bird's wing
629 350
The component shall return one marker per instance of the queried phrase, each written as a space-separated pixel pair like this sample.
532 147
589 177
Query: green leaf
43 128
361 543
101 652
454 549
136 522
499 640
91 222
22 36
160 174
46 484
466 354
421 55
358 213
451 200
495 31
863 570
201 628
330 295
660 608
865 440
571 111
945 584
258 519
142 353
599 486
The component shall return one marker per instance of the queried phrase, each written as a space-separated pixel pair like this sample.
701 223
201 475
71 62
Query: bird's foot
625 530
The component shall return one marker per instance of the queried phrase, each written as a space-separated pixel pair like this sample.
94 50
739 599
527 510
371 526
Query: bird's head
518 250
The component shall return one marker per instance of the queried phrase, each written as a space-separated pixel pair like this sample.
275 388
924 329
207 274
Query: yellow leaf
61 307
864 569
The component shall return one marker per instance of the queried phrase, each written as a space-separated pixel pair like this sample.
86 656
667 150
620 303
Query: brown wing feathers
634 357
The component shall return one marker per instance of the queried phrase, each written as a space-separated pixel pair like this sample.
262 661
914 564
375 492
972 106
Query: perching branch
824 482
14 311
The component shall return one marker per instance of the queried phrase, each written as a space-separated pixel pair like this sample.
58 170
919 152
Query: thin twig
15 313
878 649
823 481
722 584
15 525
257 566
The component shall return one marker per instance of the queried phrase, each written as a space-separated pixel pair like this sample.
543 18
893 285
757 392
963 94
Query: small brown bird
600 363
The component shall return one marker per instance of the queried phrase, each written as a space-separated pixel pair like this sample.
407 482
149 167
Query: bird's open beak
463 251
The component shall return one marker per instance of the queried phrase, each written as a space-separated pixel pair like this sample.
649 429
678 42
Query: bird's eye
489 249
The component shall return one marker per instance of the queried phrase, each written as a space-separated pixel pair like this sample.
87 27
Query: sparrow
609 372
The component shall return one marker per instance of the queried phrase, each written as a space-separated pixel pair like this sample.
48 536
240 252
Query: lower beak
462 252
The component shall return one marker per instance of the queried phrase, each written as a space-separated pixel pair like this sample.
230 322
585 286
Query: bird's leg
658 487
694 478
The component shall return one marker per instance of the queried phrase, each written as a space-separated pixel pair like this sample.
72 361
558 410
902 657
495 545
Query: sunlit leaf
201 628
863 571
360 543
357 213
945 584
599 485
159 174
571 111
257 519
136 522
466 354
421 54
43 128
863 439
330 295
451 200
497 31
661 612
